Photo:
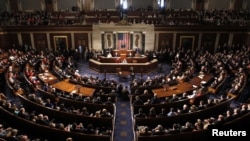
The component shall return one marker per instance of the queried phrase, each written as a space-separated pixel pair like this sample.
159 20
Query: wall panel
26 39
165 41
208 42
108 4
28 5
40 41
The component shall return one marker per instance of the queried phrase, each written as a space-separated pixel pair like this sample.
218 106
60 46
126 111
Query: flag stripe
123 41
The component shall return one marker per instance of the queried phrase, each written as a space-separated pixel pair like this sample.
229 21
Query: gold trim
188 39
58 39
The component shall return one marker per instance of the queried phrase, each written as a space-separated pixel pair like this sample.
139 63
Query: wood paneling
224 37
238 38
9 41
26 39
81 39
199 4
238 4
247 41
13 5
40 41
208 42
165 41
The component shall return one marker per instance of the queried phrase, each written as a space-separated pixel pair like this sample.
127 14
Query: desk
69 87
47 77
182 87
111 67
143 59
124 74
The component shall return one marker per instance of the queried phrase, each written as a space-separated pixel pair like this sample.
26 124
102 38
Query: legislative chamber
113 70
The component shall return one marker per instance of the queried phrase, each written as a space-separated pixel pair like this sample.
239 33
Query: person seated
172 112
141 114
187 128
155 100
138 101
163 113
90 129
145 131
98 100
77 74
152 112
105 113
175 129
109 55
158 130
124 61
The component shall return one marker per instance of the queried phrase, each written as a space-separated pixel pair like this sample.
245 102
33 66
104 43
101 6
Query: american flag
123 41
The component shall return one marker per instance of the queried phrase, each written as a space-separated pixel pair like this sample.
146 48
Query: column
19 5
199 41
48 39
7 5
244 4
230 40
79 4
114 40
73 41
55 7
43 5
231 4
193 6
19 37
174 42
102 40
206 3
143 42
156 41
216 42
90 40
32 40
168 4
131 40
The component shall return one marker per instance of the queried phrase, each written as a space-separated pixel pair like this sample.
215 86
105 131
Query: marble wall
148 34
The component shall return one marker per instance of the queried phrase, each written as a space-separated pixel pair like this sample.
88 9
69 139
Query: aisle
123 123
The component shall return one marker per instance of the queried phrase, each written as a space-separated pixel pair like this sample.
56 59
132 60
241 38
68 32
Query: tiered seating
67 117
182 17
102 16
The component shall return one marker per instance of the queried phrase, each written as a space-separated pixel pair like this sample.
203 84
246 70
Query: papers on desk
201 76
203 82
46 74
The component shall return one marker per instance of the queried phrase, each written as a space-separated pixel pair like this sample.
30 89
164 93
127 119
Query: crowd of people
172 17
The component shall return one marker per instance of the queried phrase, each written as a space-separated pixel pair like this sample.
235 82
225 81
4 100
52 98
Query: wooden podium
123 56
123 51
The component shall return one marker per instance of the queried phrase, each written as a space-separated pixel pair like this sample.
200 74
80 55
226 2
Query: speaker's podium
123 56
129 53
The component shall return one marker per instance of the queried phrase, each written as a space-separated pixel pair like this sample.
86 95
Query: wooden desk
127 52
111 67
143 59
69 87
124 74
182 87
47 77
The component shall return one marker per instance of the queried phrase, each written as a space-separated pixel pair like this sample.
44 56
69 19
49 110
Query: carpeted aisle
123 122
